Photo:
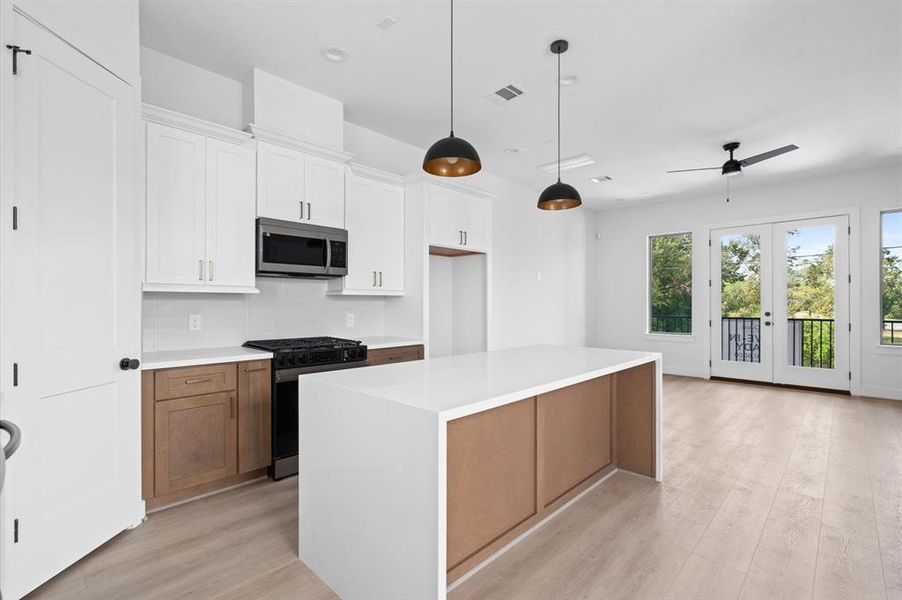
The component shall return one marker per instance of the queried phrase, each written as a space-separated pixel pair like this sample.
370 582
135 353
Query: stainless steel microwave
287 249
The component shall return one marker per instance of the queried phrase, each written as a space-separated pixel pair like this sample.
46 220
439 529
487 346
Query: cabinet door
280 183
363 223
391 237
230 214
474 220
324 191
194 441
254 410
175 205
444 218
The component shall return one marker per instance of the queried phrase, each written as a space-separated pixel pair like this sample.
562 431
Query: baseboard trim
879 392
683 371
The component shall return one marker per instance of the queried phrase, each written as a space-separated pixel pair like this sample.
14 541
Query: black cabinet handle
129 363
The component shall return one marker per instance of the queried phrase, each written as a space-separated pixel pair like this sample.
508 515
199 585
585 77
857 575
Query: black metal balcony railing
810 342
671 324
892 331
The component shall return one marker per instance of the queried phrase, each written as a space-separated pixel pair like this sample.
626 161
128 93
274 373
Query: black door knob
129 363
767 323
767 314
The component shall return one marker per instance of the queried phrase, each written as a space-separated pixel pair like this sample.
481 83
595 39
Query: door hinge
709 243
850 375
15 217
15 374
850 327
709 283
709 323
15 531
850 230
710 363
16 50
850 278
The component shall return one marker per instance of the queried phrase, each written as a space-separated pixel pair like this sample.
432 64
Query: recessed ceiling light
387 23
599 179
334 54
574 162
510 150
569 79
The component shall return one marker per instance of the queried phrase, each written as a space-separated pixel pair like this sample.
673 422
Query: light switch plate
350 319
193 322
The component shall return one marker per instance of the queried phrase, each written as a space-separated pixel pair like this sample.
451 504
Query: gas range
294 353
292 358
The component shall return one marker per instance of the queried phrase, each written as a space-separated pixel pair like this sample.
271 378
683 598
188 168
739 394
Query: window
670 285
891 277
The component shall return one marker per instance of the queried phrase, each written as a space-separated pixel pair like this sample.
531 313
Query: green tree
671 282
740 275
892 284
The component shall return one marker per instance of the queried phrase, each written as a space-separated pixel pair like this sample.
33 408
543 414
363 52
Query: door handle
767 323
767 314
129 364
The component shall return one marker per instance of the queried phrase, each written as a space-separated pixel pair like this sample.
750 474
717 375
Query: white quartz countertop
456 386
375 342
201 356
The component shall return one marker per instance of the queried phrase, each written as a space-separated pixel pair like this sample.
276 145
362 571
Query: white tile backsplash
283 308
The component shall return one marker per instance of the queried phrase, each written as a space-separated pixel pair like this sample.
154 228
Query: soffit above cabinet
164 116
289 141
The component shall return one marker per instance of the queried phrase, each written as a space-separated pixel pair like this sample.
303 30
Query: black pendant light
452 156
559 196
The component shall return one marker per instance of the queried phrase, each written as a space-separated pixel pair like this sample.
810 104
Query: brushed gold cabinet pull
231 407
249 370
200 270
201 380
380 278
374 279
309 211
210 270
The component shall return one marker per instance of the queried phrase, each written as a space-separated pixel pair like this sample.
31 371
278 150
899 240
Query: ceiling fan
734 165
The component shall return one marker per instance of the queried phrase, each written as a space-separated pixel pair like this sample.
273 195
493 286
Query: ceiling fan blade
702 169
765 155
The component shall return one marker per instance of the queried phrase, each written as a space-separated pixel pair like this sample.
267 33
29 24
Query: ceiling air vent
505 94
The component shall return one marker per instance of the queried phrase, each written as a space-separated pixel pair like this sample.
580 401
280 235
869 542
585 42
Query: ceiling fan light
452 157
559 196
731 168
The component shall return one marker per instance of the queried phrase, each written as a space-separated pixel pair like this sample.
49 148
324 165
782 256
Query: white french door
780 302
71 295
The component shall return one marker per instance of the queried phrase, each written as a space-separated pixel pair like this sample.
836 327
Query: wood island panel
491 476
635 392
574 428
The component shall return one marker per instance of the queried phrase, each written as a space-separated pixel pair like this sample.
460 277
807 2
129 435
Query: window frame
880 344
665 335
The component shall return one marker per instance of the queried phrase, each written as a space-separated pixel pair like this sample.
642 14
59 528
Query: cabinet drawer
193 381
384 356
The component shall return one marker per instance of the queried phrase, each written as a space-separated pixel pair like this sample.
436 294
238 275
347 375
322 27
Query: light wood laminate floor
767 493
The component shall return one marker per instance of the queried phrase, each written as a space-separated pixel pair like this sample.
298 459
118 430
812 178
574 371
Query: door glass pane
810 296
740 294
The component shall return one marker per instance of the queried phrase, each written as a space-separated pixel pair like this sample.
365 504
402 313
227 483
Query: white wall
185 88
618 264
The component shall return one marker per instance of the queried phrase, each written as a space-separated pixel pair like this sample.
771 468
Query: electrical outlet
193 322
538 276
349 318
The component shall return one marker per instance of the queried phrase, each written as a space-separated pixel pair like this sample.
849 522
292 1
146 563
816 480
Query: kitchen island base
399 497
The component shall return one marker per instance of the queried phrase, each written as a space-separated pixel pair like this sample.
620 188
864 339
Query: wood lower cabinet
254 415
384 356
204 428
194 441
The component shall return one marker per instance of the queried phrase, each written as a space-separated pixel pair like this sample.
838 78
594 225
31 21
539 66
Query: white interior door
72 284
780 303
811 302
741 343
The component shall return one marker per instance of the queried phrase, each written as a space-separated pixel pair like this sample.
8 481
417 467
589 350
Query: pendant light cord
452 68
559 118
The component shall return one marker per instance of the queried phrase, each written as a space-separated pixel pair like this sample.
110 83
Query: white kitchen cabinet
374 218
298 187
200 211
324 191
230 243
457 220
280 183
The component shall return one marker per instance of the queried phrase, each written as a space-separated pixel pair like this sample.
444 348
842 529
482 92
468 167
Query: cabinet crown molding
375 174
164 116
289 141
449 185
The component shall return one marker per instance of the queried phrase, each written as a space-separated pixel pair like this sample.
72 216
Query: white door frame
853 213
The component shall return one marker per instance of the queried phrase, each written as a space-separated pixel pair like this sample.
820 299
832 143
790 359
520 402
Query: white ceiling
662 85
